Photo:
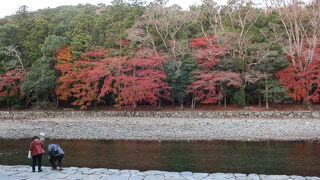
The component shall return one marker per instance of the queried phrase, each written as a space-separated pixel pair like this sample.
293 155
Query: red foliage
135 79
10 82
207 51
301 78
130 80
74 81
208 85
123 42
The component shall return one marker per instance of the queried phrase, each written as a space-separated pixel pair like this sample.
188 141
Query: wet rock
274 177
186 174
154 177
297 178
315 114
253 177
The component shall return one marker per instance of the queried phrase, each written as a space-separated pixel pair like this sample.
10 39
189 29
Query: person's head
35 137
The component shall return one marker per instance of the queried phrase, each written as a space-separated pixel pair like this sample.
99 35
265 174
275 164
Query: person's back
36 148
55 149
55 154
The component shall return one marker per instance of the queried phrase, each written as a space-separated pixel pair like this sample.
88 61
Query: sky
9 7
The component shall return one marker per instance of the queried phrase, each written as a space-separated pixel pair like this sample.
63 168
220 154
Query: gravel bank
144 128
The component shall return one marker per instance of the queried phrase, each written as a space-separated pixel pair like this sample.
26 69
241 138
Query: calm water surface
268 157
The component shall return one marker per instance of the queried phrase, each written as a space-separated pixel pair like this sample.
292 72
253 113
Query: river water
264 157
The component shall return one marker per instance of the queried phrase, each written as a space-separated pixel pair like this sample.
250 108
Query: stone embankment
160 114
74 173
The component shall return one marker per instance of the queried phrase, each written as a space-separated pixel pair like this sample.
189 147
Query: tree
10 82
40 82
130 80
137 79
75 81
112 24
269 85
180 78
300 42
209 83
238 24
82 30
303 83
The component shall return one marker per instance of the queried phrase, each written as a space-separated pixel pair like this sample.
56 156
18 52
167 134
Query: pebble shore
150 128
74 173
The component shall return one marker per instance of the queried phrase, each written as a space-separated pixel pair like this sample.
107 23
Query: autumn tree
303 82
129 79
10 85
210 82
135 79
77 81
300 42
238 25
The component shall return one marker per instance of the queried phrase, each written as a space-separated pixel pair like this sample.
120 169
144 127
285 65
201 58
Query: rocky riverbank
150 128
74 173
160 114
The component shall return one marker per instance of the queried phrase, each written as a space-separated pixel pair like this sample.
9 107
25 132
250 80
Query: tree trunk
193 102
225 100
267 98
7 101
57 102
159 105
95 105
181 105
259 99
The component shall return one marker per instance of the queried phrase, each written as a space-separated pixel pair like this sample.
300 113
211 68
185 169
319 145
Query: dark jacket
55 150
36 147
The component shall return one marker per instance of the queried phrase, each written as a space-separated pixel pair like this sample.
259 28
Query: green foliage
82 30
17 106
180 75
276 92
240 65
111 24
12 102
40 82
8 35
52 43
239 97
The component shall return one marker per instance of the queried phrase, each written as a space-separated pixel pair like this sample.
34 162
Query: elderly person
36 148
55 155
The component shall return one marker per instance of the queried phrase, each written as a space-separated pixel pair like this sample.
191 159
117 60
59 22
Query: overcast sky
9 7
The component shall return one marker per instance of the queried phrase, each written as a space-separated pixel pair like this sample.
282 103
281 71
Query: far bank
134 125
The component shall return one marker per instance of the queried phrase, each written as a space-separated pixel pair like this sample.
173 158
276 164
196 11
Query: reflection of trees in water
254 157
114 154
302 155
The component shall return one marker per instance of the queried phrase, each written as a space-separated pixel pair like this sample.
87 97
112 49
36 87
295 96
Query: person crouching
56 155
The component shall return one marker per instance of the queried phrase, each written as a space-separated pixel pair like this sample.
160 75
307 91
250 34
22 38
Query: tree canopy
130 53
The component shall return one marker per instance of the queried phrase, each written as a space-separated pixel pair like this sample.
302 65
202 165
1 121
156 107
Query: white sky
9 7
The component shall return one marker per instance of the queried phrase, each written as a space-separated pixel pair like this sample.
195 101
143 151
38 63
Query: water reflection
270 157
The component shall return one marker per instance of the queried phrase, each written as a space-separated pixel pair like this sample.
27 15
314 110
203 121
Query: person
56 154
36 148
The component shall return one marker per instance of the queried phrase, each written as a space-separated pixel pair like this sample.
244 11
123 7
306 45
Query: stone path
73 173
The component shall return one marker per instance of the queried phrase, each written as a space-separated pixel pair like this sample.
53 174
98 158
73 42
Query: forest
132 53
